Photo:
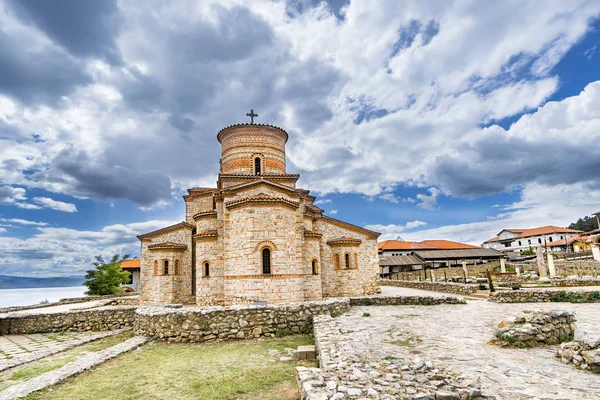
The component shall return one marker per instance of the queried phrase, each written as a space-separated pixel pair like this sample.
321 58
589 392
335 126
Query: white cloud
332 212
63 251
47 202
428 202
392 231
2 230
322 201
389 197
23 221
540 205
11 195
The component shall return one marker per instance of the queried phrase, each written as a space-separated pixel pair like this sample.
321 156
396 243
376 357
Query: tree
106 277
528 251
586 224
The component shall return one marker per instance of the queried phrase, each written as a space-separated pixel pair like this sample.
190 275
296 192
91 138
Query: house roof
400 260
562 242
399 245
168 246
347 225
448 244
545 230
131 264
458 254
246 125
167 229
391 245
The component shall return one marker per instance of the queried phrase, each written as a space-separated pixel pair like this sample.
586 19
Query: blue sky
412 119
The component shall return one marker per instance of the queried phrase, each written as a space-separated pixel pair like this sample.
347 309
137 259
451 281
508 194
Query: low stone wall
344 374
535 328
232 322
546 296
583 352
454 288
105 319
478 271
404 301
583 281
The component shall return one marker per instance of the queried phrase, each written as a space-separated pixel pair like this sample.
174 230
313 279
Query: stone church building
255 236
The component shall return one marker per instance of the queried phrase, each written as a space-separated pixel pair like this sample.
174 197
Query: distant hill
586 224
18 282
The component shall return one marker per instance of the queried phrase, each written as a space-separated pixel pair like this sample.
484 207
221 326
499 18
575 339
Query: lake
29 296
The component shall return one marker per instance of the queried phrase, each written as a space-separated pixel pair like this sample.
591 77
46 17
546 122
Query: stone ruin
535 328
583 352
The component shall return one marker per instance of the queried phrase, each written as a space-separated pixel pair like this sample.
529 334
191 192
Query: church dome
252 149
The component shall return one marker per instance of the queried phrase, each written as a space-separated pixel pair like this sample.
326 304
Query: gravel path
457 336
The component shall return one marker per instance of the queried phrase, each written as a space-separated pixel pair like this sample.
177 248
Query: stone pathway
58 308
20 349
53 377
457 336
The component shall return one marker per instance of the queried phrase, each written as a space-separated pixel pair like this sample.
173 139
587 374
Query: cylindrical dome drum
252 149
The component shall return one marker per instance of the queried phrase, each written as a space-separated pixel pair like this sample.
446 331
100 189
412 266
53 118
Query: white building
517 240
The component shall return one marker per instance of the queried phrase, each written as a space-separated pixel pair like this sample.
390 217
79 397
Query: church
255 237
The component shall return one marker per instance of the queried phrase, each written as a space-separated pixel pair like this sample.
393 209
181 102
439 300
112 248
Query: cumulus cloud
2 230
10 195
391 231
64 251
47 202
20 221
428 202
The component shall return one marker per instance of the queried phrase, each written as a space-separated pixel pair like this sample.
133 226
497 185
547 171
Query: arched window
176 267
336 261
257 166
206 269
155 267
314 267
266 260
166 267
347 260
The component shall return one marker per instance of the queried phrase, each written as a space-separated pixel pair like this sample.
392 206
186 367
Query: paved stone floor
18 345
457 336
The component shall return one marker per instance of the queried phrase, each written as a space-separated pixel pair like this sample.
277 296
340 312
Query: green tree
106 277
528 251
586 224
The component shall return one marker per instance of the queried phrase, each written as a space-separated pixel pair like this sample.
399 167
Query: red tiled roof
545 230
131 263
168 246
399 245
448 244
562 242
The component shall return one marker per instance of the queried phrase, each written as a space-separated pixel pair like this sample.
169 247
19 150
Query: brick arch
266 243
262 163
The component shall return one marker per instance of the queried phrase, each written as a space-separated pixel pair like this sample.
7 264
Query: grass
225 371
36 368
402 342
404 316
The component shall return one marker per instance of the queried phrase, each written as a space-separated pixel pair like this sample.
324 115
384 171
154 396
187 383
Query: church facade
255 236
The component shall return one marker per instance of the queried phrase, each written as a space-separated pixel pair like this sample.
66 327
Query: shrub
106 277
366 314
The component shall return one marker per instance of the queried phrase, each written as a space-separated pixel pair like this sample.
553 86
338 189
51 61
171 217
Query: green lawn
248 370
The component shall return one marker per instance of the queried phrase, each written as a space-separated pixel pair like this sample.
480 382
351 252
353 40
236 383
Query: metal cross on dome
252 115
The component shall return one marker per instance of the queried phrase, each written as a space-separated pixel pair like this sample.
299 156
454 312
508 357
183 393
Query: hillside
17 282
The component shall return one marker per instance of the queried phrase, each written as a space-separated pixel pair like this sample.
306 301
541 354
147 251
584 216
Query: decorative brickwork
262 238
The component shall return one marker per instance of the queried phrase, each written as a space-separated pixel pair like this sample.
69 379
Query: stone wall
454 288
583 352
535 328
404 301
232 323
546 296
105 319
455 272
577 267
